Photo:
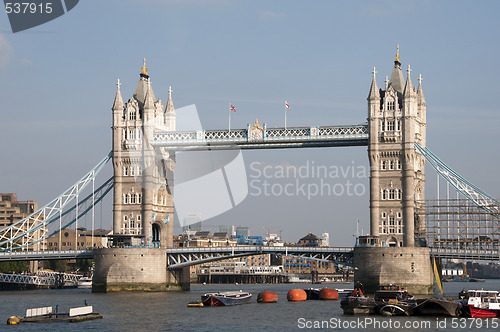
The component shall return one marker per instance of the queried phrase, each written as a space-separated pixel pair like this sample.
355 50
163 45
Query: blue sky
57 85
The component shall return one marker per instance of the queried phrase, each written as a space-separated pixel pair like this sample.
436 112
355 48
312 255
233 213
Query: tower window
391 194
390 125
390 105
384 164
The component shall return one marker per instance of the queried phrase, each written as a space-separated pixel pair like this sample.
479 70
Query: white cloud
270 15
6 51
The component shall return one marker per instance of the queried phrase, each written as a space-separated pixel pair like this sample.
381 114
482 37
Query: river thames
131 311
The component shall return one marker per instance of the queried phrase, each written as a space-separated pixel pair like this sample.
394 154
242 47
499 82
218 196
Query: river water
169 312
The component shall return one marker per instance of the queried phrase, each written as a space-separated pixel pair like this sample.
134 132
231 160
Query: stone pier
409 267
133 269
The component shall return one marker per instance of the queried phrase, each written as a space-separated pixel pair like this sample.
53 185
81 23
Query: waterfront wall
409 267
132 269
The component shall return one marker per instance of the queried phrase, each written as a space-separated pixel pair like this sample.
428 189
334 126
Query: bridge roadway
260 137
181 257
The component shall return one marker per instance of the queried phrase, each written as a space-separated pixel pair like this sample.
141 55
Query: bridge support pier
409 267
132 269
182 277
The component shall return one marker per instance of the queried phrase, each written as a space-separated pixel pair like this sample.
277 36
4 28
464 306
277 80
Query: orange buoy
328 294
267 297
296 295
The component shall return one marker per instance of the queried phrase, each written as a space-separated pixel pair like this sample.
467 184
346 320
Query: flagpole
285 116
229 116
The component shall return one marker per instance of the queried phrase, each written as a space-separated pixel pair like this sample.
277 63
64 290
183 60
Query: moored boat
392 292
344 292
84 282
226 298
489 306
46 315
358 305
312 293
438 307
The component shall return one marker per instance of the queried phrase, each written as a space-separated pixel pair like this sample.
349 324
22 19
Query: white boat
84 282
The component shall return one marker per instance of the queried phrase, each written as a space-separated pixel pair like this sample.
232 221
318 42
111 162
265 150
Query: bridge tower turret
142 201
396 119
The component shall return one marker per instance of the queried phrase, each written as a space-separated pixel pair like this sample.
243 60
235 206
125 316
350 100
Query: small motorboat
226 298
344 292
488 307
84 282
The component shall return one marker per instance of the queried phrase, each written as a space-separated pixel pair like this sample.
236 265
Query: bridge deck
261 137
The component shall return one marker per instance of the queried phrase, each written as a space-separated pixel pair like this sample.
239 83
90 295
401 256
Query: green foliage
14 266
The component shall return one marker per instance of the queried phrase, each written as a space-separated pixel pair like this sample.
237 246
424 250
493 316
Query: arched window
132 198
384 194
400 194
125 171
125 199
132 171
391 164
139 200
384 164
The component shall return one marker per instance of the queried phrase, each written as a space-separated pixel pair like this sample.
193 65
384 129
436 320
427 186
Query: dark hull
358 305
60 318
438 307
312 293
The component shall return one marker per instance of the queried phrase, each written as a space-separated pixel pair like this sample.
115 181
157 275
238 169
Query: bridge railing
260 134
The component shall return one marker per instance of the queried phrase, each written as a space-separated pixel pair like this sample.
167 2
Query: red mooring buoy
296 295
267 297
328 294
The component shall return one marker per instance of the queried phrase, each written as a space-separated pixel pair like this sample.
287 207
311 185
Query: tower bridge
145 142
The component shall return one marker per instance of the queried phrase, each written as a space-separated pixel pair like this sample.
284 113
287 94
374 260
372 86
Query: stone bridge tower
143 178
396 119
391 254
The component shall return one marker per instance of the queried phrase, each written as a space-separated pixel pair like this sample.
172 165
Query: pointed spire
420 92
118 103
170 103
144 70
408 87
397 79
374 93
148 100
